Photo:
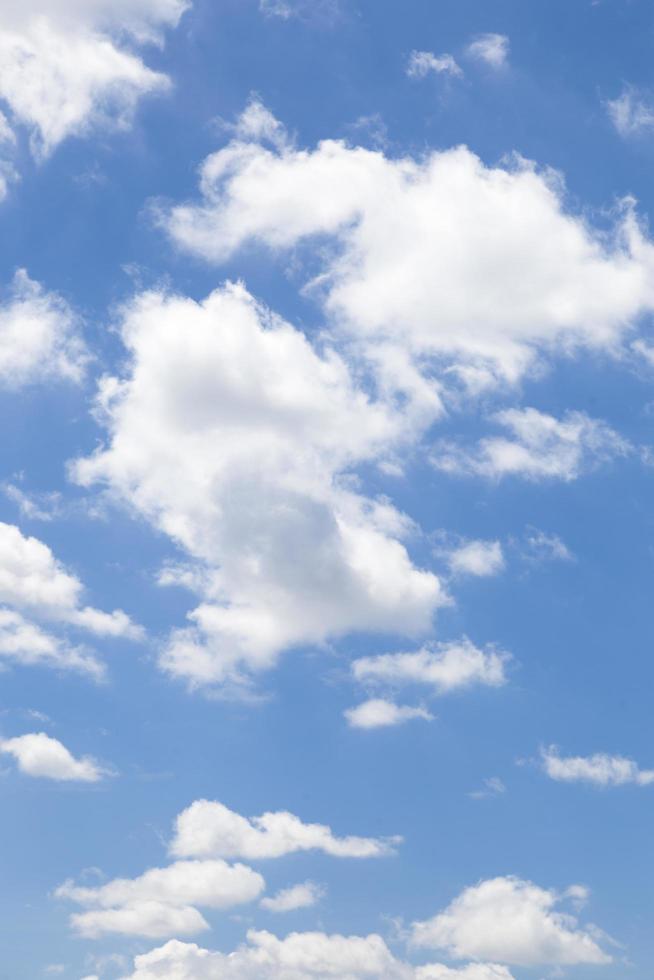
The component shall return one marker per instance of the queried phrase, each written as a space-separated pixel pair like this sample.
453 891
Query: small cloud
537 447
34 506
493 786
538 546
379 713
492 49
631 112
479 558
297 897
308 10
444 667
43 757
370 129
423 63
599 769
39 716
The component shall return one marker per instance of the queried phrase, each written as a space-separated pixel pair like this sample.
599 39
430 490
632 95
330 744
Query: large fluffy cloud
265 429
207 828
65 67
300 956
434 263
39 336
511 921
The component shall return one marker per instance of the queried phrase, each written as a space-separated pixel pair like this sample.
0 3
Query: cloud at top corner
74 67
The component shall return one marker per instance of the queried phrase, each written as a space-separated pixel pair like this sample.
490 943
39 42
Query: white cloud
631 113
379 713
43 506
65 68
540 546
25 644
600 769
266 430
511 921
474 971
492 49
39 336
32 579
423 63
35 585
151 919
479 558
541 448
41 756
302 896
300 956
161 902
493 786
311 10
208 828
443 666
420 272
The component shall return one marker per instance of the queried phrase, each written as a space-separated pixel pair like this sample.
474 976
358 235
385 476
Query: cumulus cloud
445 667
632 113
39 336
161 902
511 921
165 902
67 66
420 272
207 828
423 63
491 49
266 429
300 956
541 447
32 579
26 644
600 769
34 585
41 756
379 713
478 558
302 896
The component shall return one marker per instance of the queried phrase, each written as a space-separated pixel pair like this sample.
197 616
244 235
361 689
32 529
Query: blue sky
326 402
